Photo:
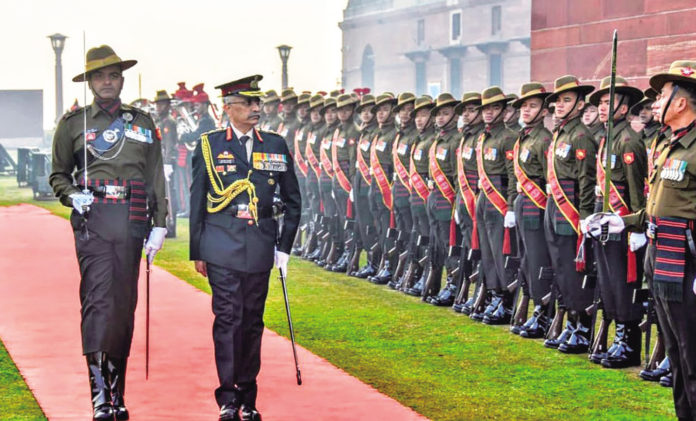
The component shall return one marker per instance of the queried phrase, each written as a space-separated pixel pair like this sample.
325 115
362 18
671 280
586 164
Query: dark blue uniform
239 251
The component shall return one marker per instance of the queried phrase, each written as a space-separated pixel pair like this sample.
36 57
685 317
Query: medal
110 136
128 117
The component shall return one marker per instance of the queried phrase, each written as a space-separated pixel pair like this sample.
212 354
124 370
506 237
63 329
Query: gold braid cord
224 195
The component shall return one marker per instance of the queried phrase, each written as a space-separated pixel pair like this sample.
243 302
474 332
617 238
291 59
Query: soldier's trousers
491 234
363 213
381 215
439 237
239 300
677 320
421 226
305 211
562 250
313 196
530 230
109 260
341 200
616 293
403 219
181 178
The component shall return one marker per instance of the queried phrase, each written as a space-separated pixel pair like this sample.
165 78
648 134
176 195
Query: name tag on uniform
341 142
490 154
365 145
138 133
381 145
673 170
441 153
326 144
467 152
402 149
313 139
418 154
269 161
225 157
562 150
524 156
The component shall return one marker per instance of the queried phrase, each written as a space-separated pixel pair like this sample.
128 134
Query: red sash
311 157
340 175
529 187
468 195
399 166
380 176
417 181
443 184
495 197
325 161
299 159
362 165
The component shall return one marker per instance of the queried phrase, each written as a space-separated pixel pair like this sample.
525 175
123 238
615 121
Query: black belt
242 211
111 192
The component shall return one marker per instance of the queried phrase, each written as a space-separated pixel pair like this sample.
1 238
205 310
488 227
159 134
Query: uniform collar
239 133
688 138
569 125
95 109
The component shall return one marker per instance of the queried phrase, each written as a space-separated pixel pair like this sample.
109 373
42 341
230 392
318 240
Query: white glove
616 224
509 221
592 224
351 196
637 240
281 261
154 242
693 287
168 170
81 201
456 216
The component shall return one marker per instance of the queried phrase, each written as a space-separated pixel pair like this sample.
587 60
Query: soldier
361 187
401 185
571 181
343 158
643 111
380 196
301 165
326 195
670 216
494 206
289 123
418 176
167 128
233 237
529 159
590 118
315 129
467 182
271 117
512 114
110 219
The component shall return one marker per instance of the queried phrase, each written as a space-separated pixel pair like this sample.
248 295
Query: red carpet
40 326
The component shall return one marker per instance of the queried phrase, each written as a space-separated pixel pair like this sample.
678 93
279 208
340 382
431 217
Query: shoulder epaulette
270 132
69 114
208 133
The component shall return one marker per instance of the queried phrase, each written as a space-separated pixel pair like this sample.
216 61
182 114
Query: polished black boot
531 323
354 261
502 313
100 386
579 340
492 305
342 263
417 289
330 257
380 267
667 380
467 306
250 413
117 380
627 352
383 277
370 268
446 296
400 270
561 338
654 375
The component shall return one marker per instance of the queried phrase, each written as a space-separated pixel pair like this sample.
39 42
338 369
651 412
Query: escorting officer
167 128
315 129
343 152
361 187
401 185
299 144
467 192
529 159
494 208
418 175
233 236
271 117
112 210
571 183
669 217
619 272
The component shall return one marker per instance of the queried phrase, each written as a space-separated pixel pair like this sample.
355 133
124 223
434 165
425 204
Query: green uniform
382 146
419 158
345 148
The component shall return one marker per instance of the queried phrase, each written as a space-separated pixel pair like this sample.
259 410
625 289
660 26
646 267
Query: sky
210 41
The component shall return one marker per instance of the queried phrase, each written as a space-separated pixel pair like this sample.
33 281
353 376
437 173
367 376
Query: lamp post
58 42
284 51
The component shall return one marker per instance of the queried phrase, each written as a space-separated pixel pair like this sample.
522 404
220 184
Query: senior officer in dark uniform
125 187
234 237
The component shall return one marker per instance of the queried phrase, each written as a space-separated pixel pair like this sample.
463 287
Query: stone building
433 46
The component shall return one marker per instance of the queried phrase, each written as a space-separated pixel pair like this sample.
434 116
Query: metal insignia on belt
127 116
110 136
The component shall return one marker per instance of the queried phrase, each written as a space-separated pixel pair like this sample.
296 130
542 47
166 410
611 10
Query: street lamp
58 42
284 51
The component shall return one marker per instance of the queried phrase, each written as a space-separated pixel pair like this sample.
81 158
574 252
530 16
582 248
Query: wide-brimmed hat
621 87
471 97
288 95
303 98
444 100
367 100
270 96
316 101
336 92
100 57
511 98
385 98
328 103
492 95
568 83
649 96
403 99
680 71
345 99
530 90
423 102
247 86
162 96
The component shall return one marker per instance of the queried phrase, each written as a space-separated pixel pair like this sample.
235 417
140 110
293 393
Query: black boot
117 374
354 261
533 324
417 289
370 268
561 338
380 267
495 300
446 296
383 277
667 380
342 263
627 352
100 386
432 283
467 306
502 313
401 268
660 371
579 340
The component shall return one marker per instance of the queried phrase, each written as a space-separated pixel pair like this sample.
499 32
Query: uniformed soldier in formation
302 169
315 129
289 121
643 111
112 212
590 118
401 184
234 237
361 187
326 195
619 272
343 158
418 178
571 181
467 192
167 129
529 160
512 114
271 116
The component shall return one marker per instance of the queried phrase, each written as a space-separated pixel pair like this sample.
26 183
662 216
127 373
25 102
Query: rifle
589 281
464 268
604 236
557 323
512 265
643 296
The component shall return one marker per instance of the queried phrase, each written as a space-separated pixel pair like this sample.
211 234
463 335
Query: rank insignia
509 155
629 158
128 117
226 155
580 154
231 168
158 132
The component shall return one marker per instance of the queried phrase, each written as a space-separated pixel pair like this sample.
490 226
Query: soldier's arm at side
635 222
290 194
508 147
198 202
62 164
543 149
587 174
154 179
636 172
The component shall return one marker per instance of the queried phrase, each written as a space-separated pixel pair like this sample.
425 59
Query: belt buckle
243 212
651 232
113 192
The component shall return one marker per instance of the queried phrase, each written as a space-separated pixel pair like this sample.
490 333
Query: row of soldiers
507 214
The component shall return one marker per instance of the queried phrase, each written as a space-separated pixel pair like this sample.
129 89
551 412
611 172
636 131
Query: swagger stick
292 331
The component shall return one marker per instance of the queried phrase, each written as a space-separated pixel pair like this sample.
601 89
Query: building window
496 12
420 36
367 68
455 74
495 70
420 78
456 26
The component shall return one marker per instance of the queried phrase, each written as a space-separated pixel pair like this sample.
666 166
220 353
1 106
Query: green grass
16 400
441 364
